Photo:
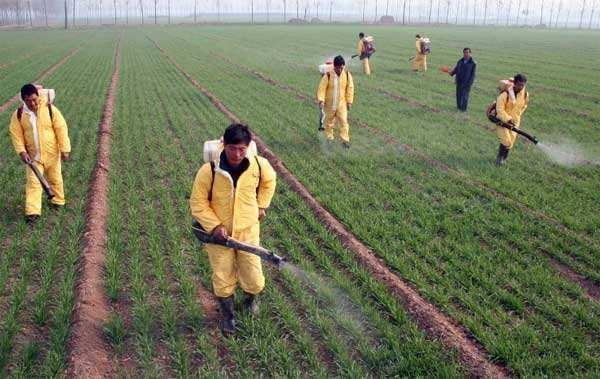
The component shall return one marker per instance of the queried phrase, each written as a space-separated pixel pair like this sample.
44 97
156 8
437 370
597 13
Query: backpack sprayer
492 115
369 48
261 252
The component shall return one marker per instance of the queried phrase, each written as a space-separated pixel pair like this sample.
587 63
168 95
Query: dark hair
520 78
339 61
361 34
418 36
467 49
28 90
237 133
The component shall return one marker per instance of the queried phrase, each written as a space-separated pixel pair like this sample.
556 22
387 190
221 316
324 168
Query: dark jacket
465 72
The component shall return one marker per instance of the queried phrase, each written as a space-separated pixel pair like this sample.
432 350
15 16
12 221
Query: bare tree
485 9
31 19
404 13
581 17
375 10
73 14
558 13
268 11
169 10
387 7
330 11
284 11
363 10
297 9
592 6
430 9
155 6
252 11
195 11
66 16
541 13
46 12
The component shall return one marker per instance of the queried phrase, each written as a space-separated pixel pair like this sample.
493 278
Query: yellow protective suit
53 139
360 48
237 210
507 110
336 110
420 61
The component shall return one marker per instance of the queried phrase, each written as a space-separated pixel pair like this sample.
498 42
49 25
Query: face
518 86
338 69
235 153
32 102
467 54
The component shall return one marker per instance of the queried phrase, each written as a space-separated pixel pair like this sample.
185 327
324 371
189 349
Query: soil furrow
89 357
425 313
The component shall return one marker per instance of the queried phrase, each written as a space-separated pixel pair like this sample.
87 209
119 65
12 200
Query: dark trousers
462 96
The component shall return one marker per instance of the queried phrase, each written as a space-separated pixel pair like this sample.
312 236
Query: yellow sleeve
418 46
360 46
60 129
199 203
526 102
268 181
501 107
322 90
16 134
350 89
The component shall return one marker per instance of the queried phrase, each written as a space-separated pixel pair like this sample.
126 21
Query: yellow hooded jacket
53 134
345 94
507 110
235 208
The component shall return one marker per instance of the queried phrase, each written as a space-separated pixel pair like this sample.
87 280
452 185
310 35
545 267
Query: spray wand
511 127
263 253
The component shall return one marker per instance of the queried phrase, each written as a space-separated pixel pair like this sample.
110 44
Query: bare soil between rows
89 357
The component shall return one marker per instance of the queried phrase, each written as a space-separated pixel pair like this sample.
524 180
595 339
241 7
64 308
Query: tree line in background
71 13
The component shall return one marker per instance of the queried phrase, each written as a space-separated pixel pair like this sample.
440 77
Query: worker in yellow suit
335 95
229 198
510 112
361 49
39 135
420 60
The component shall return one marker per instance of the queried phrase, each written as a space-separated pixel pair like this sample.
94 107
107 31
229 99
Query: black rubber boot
502 155
227 323
250 304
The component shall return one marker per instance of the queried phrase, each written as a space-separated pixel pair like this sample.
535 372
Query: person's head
418 36
29 95
519 81
467 52
236 139
361 35
338 64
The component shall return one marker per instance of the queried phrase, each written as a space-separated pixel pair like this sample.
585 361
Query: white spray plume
567 153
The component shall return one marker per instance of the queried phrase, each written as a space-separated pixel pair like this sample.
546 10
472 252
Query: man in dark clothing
464 73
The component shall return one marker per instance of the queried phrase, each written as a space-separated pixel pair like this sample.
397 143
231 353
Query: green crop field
463 269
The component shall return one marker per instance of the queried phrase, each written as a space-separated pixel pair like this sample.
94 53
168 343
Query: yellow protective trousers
366 66
420 62
507 137
341 116
33 188
232 266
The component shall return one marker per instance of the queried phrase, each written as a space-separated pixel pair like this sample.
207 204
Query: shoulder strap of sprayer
20 112
212 182
329 77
